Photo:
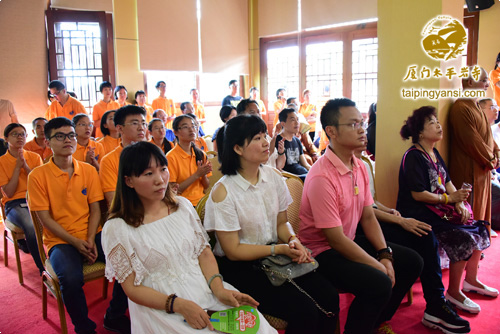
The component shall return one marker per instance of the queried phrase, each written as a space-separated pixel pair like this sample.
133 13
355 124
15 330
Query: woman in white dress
247 209
158 251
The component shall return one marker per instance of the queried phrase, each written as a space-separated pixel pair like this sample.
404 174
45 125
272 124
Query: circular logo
445 38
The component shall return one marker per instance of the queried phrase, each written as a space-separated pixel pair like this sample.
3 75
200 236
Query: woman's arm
195 316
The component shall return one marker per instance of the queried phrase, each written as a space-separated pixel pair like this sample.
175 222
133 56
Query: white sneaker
467 305
487 291
493 234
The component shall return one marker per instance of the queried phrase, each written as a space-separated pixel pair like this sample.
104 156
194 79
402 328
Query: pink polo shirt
329 200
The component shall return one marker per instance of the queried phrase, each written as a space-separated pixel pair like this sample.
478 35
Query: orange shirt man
101 107
495 80
38 144
64 105
130 122
308 110
140 97
198 108
162 102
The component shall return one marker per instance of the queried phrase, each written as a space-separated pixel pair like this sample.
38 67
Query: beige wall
23 57
399 47
489 38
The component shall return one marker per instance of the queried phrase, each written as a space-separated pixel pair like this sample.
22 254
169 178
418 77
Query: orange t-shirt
307 110
99 109
262 107
494 79
181 166
33 146
66 199
114 105
81 151
201 144
71 108
7 165
109 143
278 106
167 105
108 171
162 148
149 112
199 111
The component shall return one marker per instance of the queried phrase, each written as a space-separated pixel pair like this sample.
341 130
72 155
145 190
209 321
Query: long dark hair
414 124
166 145
134 160
238 131
199 154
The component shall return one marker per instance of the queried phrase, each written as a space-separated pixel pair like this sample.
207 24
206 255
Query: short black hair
242 106
159 83
238 130
78 117
232 82
278 92
139 92
192 90
33 123
105 84
56 123
117 89
57 85
104 118
290 99
122 113
415 123
253 88
183 105
331 111
11 127
225 112
283 115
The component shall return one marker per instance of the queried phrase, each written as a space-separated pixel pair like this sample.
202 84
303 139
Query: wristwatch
385 253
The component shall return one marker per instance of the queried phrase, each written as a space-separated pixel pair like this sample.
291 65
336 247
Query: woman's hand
234 298
462 210
203 168
305 254
297 255
459 196
415 226
195 316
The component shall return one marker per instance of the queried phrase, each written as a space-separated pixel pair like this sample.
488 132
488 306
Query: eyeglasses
83 125
18 134
159 128
62 136
355 125
54 95
137 123
193 127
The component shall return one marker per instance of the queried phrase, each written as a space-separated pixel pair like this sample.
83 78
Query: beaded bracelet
167 303
172 303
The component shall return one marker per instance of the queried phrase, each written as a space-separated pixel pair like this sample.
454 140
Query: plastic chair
208 140
12 233
51 282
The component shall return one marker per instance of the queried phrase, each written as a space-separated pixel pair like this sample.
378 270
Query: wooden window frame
471 22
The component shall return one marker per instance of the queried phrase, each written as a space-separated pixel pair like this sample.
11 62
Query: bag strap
277 273
406 153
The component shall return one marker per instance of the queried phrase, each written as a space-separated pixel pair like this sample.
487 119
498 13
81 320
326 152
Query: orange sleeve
108 173
94 190
99 152
38 199
173 167
81 109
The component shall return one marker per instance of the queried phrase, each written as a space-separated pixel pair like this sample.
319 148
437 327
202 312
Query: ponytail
199 154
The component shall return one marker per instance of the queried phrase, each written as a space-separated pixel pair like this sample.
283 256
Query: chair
208 140
12 233
295 187
216 173
51 282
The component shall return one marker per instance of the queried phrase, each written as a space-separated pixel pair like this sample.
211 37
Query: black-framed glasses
355 125
62 136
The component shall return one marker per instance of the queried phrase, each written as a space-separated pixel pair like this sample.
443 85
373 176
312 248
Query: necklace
354 177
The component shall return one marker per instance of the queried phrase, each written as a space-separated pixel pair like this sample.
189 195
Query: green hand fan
243 319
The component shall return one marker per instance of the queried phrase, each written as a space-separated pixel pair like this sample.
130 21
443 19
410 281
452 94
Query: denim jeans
17 212
68 263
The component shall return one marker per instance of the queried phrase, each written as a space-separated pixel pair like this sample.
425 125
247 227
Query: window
178 84
78 52
364 72
324 69
283 71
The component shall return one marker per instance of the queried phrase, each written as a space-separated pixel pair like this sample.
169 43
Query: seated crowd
149 165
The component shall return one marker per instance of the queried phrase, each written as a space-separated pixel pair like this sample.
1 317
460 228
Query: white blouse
252 210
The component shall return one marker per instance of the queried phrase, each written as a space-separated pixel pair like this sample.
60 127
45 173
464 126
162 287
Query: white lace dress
164 256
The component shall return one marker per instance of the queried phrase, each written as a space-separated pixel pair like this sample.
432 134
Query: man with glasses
65 194
64 105
473 152
130 121
335 199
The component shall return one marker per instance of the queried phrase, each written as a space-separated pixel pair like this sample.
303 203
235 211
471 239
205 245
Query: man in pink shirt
336 197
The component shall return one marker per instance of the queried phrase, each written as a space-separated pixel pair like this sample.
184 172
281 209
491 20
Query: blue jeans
17 212
68 263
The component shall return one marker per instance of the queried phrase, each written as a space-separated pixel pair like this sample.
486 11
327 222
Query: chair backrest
208 140
37 223
200 208
216 173
295 187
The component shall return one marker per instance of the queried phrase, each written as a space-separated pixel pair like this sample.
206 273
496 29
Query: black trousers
286 301
375 300
427 247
